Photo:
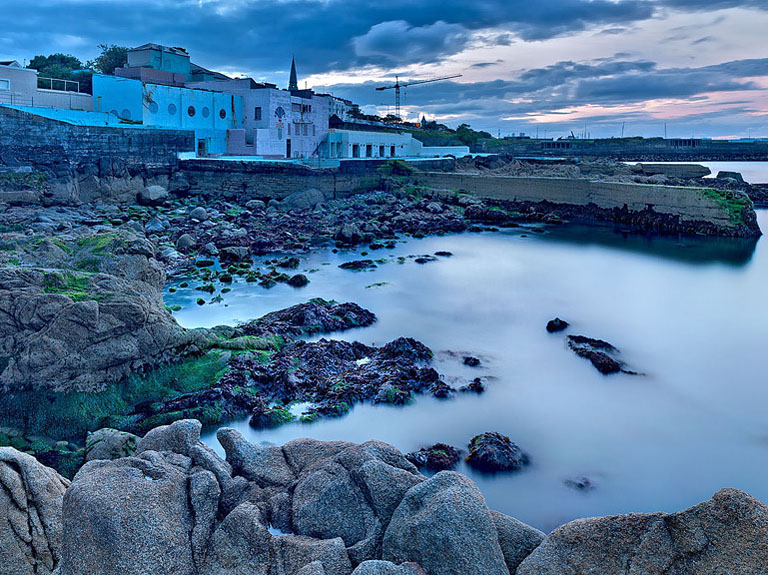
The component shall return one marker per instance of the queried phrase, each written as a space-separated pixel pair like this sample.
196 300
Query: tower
293 83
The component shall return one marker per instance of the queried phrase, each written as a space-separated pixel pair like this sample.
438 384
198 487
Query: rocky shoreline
170 504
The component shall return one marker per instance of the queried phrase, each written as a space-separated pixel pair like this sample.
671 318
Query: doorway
288 148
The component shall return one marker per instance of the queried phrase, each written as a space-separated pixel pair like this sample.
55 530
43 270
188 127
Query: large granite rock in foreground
337 508
727 534
30 514
66 330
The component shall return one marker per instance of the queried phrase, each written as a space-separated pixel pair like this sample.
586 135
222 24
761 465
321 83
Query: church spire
293 84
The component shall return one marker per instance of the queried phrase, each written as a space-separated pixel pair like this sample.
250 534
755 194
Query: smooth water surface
689 314
752 172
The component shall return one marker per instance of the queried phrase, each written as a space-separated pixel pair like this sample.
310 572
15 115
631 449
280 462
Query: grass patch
71 415
71 284
734 203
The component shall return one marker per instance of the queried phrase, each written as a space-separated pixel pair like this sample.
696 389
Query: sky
541 67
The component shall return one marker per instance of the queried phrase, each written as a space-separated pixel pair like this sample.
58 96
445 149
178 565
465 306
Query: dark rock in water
597 351
264 416
557 324
444 254
475 386
580 483
289 263
492 451
408 349
471 361
442 390
358 265
425 259
438 457
298 280
725 175
315 316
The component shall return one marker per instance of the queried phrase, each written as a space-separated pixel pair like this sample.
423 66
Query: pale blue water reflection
695 326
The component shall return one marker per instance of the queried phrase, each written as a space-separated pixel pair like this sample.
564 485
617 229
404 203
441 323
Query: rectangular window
306 130
289 128
296 108
257 113
5 85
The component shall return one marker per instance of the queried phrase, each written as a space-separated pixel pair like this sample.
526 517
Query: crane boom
397 85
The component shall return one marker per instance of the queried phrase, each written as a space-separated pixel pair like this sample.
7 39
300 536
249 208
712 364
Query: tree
470 137
111 57
60 67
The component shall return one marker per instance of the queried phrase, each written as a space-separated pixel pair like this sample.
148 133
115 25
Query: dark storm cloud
261 34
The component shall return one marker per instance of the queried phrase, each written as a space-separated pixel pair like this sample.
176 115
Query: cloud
397 43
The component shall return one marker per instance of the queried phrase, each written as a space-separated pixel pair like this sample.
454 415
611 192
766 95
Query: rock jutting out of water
600 353
492 451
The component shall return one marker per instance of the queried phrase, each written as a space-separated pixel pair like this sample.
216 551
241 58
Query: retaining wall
28 139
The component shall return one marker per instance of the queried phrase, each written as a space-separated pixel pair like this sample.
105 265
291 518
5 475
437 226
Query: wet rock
475 386
199 213
471 361
444 254
109 444
315 316
492 451
557 324
349 234
289 263
155 225
153 195
298 280
425 259
358 265
438 457
31 498
235 253
255 205
725 175
442 390
726 534
580 483
600 353
185 242
303 201
444 525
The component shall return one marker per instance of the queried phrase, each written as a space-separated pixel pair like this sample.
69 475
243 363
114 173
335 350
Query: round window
125 114
191 111
172 109
206 112
153 107
113 112
222 113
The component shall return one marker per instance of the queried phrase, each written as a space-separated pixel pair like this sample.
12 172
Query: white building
275 123
19 87
210 114
341 144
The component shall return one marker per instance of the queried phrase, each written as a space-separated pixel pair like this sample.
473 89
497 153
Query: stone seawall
667 209
27 139
251 180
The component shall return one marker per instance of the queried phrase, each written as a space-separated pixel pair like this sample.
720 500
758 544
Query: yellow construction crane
397 85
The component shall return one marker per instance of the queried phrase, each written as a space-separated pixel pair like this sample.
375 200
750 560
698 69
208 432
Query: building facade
344 144
19 87
209 114
275 123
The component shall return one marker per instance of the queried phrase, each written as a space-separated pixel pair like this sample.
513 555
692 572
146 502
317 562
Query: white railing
61 85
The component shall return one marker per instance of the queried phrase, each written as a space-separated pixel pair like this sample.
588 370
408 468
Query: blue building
210 114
